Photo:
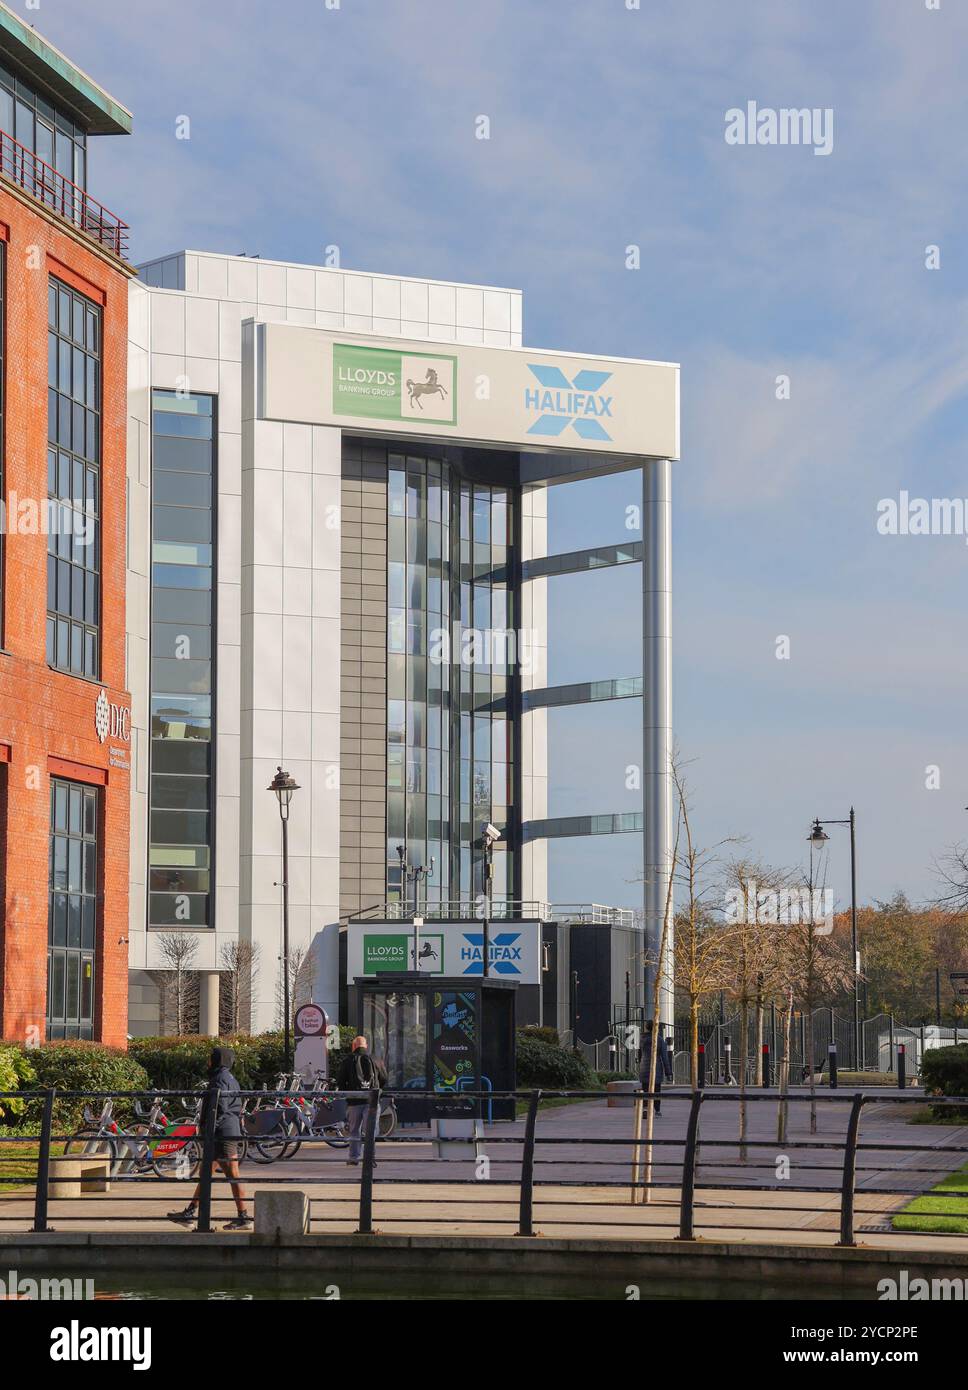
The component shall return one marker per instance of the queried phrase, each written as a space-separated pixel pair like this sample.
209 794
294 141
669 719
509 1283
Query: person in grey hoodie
223 1092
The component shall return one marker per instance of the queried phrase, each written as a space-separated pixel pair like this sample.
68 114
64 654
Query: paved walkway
582 1187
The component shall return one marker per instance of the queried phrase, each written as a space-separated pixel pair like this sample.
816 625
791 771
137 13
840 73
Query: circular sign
310 1020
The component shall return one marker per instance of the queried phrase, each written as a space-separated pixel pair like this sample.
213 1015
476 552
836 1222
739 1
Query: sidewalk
581 1189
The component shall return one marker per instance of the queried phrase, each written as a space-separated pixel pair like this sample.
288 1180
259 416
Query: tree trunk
784 1077
743 1025
694 1041
810 1074
759 1040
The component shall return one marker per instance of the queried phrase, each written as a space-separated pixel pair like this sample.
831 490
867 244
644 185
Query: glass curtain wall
450 655
44 132
182 665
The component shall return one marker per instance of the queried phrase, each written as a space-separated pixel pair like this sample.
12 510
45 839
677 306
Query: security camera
491 833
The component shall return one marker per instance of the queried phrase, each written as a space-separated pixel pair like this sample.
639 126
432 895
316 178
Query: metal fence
811 1035
673 1182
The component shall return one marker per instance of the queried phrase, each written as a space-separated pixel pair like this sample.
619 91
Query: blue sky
355 126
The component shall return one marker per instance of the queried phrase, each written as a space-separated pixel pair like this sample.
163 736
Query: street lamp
817 839
413 873
283 785
489 837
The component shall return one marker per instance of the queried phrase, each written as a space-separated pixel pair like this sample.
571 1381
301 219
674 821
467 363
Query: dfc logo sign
111 720
559 402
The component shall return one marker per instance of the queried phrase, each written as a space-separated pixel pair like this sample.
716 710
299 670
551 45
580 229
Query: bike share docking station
452 1036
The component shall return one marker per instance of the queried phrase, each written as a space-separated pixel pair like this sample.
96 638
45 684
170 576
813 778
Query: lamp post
413 873
817 839
489 836
283 785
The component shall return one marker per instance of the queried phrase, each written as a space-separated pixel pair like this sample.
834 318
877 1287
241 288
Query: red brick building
64 709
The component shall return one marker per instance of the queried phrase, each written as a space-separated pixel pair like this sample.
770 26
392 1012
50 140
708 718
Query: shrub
944 1071
181 1063
16 1073
80 1066
542 1032
541 1064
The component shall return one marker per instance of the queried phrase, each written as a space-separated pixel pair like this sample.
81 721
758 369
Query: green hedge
181 1063
944 1071
542 1064
542 1032
79 1066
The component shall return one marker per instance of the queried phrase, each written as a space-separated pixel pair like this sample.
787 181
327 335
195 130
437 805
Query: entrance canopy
515 397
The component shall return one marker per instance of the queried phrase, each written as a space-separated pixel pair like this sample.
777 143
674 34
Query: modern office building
64 708
337 565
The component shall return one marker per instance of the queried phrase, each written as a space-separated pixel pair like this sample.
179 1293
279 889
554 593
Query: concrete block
619 1094
70 1177
281 1214
454 1137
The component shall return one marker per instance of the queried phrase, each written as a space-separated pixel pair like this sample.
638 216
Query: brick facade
47 723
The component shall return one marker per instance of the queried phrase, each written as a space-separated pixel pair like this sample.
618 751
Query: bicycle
170 1149
277 1131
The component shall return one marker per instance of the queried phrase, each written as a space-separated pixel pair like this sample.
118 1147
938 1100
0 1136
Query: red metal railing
61 195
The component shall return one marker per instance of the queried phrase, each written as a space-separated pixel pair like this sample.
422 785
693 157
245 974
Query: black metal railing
678 1168
811 1036
62 196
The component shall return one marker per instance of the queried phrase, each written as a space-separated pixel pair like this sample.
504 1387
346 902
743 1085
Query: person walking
359 1072
663 1063
224 1093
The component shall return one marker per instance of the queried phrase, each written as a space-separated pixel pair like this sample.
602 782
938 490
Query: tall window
72 909
73 481
43 131
182 664
448 732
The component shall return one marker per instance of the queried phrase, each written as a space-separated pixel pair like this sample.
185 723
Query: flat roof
65 83
327 269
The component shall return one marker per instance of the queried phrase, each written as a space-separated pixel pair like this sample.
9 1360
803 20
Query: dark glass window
51 141
73 481
448 749
72 907
182 661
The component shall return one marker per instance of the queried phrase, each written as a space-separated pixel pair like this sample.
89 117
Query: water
406 1286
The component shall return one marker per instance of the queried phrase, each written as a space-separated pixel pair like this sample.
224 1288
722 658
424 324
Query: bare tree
302 981
240 971
753 951
811 966
952 870
702 946
179 979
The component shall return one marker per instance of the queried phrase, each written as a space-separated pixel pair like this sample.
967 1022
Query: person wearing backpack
359 1072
